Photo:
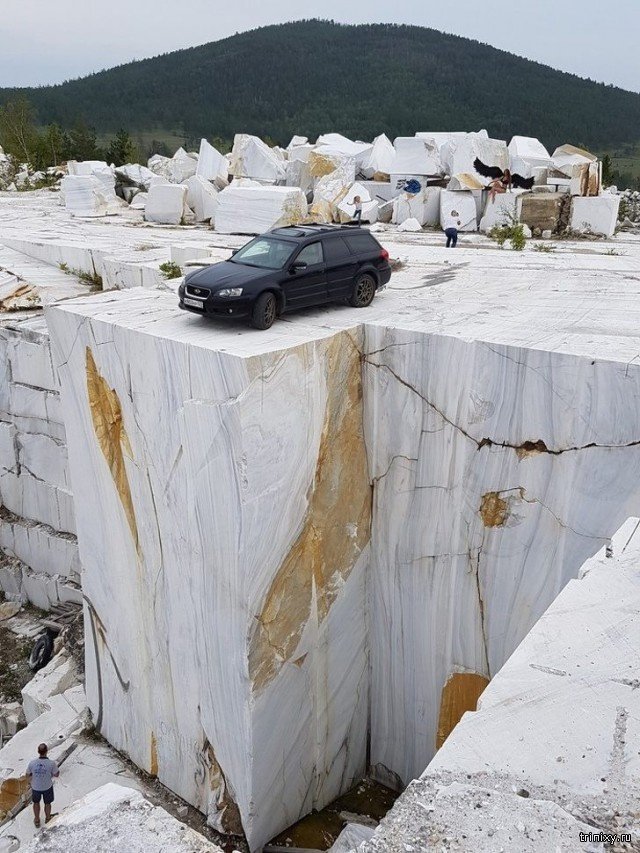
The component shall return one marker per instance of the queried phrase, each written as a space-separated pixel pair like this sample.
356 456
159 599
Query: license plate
194 303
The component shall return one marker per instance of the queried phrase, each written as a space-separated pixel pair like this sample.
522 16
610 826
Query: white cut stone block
11 719
565 157
8 448
93 168
504 210
252 158
40 547
415 156
528 156
166 204
212 165
254 209
87 196
31 362
598 214
135 174
140 201
381 191
44 458
297 142
36 500
458 210
338 146
296 733
493 471
423 206
182 166
57 676
202 198
381 158
460 153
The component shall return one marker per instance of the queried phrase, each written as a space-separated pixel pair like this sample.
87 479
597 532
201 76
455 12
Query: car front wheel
363 291
264 311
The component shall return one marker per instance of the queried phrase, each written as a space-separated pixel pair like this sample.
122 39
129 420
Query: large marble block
224 508
497 471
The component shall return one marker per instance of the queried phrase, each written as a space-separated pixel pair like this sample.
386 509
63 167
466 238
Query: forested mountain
312 77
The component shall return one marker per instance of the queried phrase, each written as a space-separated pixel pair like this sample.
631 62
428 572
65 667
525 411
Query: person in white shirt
452 223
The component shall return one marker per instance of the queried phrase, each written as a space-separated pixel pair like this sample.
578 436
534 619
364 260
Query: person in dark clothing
42 771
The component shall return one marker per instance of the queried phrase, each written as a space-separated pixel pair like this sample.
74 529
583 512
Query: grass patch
93 279
543 247
170 270
512 232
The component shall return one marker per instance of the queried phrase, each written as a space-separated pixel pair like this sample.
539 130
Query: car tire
264 311
364 290
42 651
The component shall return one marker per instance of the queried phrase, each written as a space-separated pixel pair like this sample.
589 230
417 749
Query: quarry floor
576 296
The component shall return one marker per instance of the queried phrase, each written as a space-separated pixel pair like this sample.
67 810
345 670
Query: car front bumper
216 306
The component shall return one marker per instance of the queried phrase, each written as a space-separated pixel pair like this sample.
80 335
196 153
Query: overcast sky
48 41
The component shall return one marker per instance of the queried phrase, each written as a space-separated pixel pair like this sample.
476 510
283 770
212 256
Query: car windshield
265 252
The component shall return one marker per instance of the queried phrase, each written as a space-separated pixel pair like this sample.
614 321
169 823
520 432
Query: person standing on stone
41 772
357 201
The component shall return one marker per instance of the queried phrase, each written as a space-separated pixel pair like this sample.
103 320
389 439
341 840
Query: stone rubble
115 818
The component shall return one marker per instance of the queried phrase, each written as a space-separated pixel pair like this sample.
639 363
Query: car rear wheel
264 311
363 291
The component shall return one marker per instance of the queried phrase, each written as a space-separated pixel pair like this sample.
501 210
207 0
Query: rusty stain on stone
531 448
106 414
460 694
337 526
153 771
494 510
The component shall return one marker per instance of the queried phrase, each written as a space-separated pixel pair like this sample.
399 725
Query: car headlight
230 291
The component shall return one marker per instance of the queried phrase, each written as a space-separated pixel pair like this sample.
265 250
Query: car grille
198 292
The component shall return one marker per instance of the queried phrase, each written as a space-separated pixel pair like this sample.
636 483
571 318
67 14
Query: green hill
312 77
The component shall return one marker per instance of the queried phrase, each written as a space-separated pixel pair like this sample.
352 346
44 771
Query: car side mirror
298 266
234 252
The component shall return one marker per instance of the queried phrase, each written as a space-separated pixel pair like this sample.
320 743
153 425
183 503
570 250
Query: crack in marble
525 448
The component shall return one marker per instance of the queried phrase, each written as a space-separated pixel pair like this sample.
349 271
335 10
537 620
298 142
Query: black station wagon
290 268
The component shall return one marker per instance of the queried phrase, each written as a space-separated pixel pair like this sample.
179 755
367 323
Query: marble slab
224 554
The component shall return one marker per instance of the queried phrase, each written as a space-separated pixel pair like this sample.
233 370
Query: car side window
311 254
360 243
335 249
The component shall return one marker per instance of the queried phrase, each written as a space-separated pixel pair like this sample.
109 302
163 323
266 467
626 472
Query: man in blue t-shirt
42 771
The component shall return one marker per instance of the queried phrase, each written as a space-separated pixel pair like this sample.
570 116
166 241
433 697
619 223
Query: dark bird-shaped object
496 173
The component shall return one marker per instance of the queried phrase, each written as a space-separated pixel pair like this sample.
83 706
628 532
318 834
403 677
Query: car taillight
384 255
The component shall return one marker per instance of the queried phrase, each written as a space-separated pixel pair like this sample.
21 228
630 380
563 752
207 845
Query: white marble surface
118 818
558 725
498 471
189 547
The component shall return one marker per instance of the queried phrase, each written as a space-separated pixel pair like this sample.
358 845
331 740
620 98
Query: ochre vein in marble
460 694
229 817
153 769
106 414
494 510
337 525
